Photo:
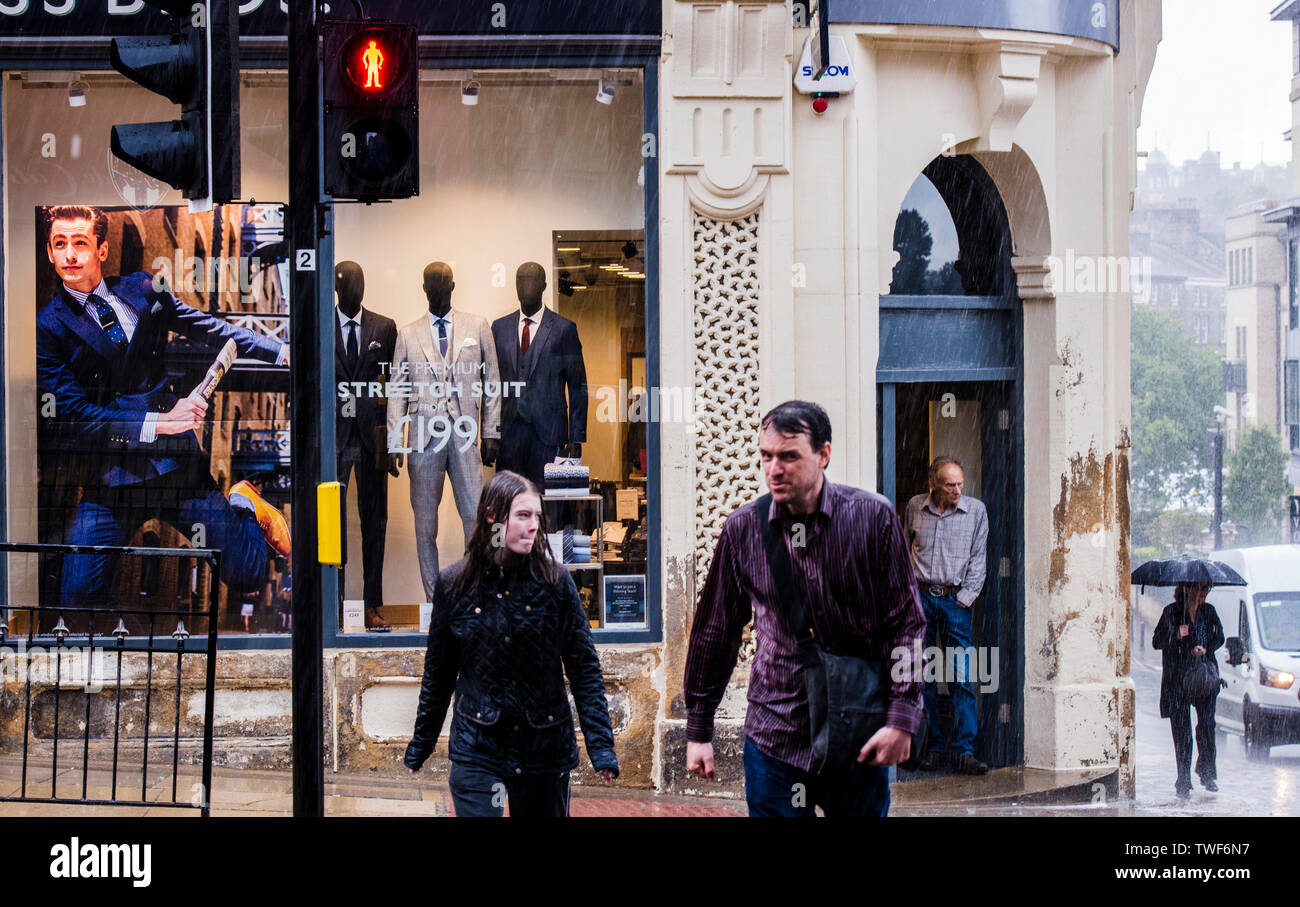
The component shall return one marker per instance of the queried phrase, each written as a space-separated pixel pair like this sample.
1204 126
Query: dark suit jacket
378 340
552 366
1176 656
101 393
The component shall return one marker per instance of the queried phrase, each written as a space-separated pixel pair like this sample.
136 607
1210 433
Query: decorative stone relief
1034 279
728 128
726 299
1007 80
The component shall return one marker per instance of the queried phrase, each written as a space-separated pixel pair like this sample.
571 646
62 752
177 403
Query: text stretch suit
361 440
102 394
442 388
536 421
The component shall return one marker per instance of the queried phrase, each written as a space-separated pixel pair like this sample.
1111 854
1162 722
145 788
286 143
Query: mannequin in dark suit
117 426
549 417
361 423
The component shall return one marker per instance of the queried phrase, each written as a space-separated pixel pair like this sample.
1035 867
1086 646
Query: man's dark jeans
478 792
775 788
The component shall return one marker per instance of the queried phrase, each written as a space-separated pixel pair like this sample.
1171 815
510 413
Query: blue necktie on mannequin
108 321
442 336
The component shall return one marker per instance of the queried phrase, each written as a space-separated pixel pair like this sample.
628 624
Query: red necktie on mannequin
523 341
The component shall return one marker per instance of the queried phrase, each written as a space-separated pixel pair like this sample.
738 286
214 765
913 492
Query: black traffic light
197 67
371 81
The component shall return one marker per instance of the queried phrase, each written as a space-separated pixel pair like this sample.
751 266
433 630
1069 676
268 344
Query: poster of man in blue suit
115 423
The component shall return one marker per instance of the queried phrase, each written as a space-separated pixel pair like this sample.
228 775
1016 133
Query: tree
913 243
1175 386
1255 490
944 282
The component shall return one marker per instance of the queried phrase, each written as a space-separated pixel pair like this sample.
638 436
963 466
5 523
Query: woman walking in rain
1188 635
507 626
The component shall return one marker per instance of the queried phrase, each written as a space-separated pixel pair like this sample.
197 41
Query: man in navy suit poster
117 427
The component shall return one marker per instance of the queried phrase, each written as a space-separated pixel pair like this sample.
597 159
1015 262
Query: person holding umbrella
1188 635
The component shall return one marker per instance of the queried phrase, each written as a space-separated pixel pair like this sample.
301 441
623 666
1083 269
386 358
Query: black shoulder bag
1201 682
848 697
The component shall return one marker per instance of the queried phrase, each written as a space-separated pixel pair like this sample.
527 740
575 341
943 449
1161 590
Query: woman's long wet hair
493 509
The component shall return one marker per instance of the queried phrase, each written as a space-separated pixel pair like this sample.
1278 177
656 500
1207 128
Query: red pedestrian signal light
371 83
372 61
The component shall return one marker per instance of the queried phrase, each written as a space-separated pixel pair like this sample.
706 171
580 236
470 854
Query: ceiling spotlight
606 89
629 249
469 93
77 93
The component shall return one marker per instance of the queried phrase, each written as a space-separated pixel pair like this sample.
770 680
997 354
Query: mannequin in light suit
452 357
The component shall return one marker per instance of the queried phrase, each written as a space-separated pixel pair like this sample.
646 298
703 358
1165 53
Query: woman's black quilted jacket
505 651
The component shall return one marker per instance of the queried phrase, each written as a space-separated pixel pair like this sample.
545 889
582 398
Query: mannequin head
438 286
349 287
530 283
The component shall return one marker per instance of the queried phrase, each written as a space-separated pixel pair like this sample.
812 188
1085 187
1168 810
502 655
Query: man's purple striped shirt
861 595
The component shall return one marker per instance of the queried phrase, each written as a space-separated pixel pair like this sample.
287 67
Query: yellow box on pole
329 523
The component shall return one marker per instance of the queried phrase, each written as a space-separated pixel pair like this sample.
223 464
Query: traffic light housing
371 81
197 67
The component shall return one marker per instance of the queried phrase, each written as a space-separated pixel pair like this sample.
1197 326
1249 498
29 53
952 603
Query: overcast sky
1223 68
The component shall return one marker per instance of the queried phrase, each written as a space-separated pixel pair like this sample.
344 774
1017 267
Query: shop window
510 186
533 195
87 401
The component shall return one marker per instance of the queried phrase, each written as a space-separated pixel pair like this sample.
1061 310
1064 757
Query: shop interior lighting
469 92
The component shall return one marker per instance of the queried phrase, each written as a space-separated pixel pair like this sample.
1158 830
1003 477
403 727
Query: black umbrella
1187 569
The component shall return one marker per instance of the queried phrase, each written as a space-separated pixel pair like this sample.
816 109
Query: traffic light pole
305 428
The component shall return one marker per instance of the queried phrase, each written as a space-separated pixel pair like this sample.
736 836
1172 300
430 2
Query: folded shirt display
566 479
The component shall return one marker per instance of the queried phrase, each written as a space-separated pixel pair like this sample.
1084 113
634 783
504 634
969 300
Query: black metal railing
154 633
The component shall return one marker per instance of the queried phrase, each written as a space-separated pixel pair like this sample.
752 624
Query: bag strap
790 594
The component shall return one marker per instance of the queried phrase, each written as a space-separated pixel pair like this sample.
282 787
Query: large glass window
503 327
531 211
146 386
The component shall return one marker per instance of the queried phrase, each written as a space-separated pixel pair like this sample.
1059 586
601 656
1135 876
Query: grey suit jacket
430 385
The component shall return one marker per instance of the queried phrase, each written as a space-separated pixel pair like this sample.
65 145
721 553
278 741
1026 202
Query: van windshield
1278 614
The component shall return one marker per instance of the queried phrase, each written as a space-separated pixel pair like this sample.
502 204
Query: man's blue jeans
89 578
948 626
775 788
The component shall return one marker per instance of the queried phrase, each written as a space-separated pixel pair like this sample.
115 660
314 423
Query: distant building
1256 272
1179 269
1287 217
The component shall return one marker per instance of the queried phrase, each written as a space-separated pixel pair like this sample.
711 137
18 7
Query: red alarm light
819 105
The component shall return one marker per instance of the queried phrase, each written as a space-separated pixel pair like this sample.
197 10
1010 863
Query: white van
1261 657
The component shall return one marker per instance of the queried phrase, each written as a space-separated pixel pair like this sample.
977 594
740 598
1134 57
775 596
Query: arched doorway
950 382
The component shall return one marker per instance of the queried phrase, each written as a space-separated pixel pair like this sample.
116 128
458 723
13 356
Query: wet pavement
1247 788
1270 788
